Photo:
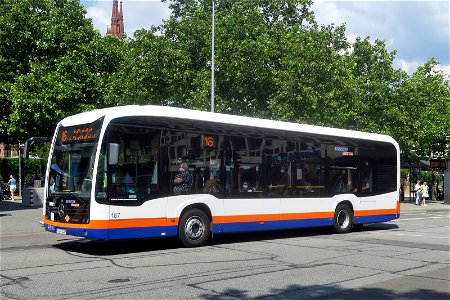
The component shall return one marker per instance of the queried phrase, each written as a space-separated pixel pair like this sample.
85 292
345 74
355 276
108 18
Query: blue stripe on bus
118 233
273 225
375 219
141 232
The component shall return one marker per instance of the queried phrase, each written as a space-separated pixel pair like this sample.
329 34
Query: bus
112 174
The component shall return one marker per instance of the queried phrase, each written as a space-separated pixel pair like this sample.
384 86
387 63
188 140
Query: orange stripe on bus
250 218
274 217
312 215
105 224
101 224
375 212
140 223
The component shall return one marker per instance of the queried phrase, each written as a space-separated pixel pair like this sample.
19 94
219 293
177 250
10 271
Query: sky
417 29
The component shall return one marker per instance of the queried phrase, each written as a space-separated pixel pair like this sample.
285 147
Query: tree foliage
272 60
53 63
424 99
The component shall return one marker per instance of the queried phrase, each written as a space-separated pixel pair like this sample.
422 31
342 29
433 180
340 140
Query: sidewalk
431 205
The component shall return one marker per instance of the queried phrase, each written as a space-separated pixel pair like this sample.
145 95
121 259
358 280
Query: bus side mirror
113 154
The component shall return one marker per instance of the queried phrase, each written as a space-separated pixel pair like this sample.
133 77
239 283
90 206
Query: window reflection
248 165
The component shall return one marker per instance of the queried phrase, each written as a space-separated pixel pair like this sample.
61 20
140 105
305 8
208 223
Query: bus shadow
292 233
117 247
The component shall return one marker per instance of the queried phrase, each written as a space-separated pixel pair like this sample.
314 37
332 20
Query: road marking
410 235
426 218
439 237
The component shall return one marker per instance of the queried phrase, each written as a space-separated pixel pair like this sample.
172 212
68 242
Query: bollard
31 198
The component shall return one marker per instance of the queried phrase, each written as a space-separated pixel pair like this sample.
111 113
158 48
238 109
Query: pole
20 175
212 58
447 183
31 197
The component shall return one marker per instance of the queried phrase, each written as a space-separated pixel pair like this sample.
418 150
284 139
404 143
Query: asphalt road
405 259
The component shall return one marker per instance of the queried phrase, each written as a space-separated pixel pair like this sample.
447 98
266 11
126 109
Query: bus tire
343 218
194 228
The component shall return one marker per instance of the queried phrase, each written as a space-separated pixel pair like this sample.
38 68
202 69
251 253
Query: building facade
116 28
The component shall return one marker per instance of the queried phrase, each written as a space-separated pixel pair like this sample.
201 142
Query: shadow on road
116 247
105 248
297 291
6 206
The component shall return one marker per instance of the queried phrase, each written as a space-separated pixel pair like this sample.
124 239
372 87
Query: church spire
116 28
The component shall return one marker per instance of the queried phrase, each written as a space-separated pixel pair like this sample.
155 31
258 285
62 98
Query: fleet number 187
115 215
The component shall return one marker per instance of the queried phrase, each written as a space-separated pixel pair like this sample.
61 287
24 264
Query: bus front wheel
194 228
343 218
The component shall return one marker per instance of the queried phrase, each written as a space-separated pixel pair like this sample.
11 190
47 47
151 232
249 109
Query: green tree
36 31
315 85
272 60
170 64
423 121
63 69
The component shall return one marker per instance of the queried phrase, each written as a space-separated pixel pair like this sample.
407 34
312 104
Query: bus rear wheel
343 218
194 228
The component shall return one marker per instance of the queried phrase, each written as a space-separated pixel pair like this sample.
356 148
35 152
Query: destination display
80 133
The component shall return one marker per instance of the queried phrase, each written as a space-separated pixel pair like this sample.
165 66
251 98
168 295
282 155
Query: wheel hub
194 228
343 219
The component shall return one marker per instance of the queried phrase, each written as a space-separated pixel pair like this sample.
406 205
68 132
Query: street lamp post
212 58
447 171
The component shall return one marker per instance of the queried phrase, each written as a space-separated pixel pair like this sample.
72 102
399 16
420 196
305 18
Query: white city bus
111 172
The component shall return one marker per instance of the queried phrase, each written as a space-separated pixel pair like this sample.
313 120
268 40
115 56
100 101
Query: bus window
343 165
135 177
308 171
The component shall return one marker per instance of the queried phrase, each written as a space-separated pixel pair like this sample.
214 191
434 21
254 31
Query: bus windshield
72 160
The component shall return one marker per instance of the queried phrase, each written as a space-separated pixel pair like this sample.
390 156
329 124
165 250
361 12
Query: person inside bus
128 183
211 186
257 187
246 187
284 182
365 185
284 177
183 181
52 184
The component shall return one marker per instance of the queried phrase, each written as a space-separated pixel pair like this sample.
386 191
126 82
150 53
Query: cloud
100 17
417 30
445 69
407 66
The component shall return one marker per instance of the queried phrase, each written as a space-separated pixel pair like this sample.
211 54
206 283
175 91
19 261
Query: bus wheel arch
194 227
343 217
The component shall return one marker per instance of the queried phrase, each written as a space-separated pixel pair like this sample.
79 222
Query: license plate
60 231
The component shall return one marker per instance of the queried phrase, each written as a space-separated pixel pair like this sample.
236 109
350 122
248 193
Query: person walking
417 189
12 186
425 193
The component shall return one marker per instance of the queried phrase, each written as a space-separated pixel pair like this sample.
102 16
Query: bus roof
217 118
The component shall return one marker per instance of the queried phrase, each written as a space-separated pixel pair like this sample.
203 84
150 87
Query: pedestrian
402 192
425 193
12 186
417 189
